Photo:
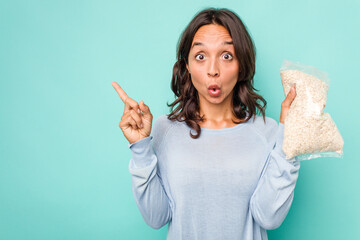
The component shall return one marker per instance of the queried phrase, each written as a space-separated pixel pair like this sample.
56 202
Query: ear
187 67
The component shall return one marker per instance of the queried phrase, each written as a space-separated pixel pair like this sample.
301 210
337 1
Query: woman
212 169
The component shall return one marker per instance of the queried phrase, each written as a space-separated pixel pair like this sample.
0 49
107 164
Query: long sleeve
274 193
147 186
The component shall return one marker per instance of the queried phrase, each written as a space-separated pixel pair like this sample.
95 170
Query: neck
217 115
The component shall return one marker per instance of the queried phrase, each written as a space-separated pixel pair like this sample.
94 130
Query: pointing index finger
120 91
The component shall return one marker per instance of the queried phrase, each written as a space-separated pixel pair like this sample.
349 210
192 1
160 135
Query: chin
217 100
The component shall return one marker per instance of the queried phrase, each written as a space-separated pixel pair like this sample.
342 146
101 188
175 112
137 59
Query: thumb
144 108
290 96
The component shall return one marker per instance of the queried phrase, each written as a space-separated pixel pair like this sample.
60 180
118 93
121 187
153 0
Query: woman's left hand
285 105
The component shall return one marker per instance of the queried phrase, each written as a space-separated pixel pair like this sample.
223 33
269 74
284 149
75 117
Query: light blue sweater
231 183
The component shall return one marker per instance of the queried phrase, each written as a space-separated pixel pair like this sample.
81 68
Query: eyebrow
201 44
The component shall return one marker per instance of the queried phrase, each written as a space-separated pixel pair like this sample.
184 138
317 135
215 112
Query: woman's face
213 65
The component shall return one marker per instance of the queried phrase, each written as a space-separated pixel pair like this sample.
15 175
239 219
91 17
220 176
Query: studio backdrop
63 158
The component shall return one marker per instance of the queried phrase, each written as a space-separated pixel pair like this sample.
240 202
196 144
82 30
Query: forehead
212 33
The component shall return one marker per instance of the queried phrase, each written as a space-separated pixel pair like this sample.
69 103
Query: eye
227 56
199 57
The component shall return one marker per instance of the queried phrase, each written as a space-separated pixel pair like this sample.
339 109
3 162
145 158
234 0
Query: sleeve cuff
142 152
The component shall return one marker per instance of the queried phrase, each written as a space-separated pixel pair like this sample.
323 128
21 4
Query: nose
213 68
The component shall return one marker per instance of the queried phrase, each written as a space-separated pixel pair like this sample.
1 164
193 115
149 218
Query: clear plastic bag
308 131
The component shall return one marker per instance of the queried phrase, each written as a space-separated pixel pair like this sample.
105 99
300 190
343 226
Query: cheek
196 83
232 75
196 76
196 70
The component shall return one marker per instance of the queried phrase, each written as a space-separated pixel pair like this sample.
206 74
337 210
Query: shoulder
265 129
162 124
261 125
161 127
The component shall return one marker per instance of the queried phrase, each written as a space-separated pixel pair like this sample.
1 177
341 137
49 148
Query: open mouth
214 91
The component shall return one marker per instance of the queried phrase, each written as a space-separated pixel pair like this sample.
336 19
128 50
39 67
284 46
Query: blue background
63 159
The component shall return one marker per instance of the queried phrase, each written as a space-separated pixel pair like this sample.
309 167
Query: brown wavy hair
244 99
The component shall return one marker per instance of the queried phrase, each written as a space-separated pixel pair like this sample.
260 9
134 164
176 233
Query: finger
292 93
290 97
129 102
125 116
120 91
136 116
145 109
129 121
133 123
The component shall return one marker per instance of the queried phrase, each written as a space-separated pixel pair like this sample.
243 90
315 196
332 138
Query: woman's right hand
136 120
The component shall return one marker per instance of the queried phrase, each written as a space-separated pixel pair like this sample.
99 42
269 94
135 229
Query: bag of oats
308 131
